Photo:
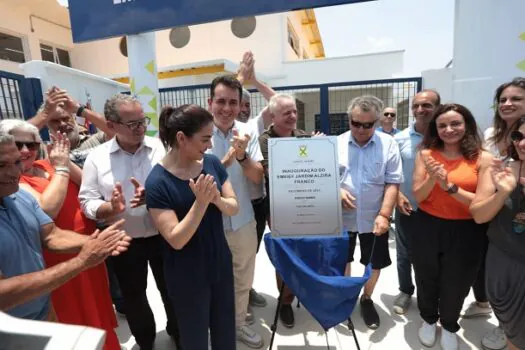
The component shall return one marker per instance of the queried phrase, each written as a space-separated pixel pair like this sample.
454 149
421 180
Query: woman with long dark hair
500 200
187 194
448 252
509 103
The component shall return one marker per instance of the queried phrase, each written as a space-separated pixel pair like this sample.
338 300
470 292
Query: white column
489 49
143 76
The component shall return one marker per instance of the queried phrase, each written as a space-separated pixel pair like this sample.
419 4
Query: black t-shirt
504 233
204 258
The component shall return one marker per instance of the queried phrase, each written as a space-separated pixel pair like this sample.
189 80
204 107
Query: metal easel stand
352 329
276 317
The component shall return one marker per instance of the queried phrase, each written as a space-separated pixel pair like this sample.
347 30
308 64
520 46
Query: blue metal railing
318 104
20 97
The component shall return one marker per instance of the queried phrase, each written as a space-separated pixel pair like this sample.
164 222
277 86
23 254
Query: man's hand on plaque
317 133
381 225
347 200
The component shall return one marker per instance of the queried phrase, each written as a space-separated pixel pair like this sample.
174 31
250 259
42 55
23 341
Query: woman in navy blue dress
186 194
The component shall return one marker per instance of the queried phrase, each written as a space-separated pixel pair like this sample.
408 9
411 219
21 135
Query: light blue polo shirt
408 140
21 220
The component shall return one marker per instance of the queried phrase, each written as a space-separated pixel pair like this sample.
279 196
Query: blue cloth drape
313 268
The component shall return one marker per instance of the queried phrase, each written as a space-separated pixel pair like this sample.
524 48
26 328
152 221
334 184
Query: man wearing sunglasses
371 170
112 189
387 121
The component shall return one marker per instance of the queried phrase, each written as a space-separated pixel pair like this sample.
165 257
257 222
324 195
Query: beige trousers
243 245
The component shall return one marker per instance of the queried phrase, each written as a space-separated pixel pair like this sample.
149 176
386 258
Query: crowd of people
85 217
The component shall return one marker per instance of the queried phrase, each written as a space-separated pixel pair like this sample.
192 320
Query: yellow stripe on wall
219 68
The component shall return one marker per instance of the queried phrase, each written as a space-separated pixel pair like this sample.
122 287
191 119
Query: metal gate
322 106
20 97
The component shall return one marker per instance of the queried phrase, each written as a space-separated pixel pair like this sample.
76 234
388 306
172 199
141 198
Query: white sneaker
494 340
249 337
449 340
476 310
427 334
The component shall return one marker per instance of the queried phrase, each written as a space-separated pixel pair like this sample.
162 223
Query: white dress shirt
257 125
108 164
365 170
240 183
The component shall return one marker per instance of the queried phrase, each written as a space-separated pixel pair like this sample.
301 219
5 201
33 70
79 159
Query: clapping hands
437 171
205 189
239 144
58 151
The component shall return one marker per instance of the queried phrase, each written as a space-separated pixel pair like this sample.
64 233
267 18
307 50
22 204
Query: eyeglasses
389 114
31 146
516 136
358 125
137 124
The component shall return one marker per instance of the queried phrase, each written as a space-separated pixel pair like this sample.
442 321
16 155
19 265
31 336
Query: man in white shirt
258 124
243 167
112 189
371 172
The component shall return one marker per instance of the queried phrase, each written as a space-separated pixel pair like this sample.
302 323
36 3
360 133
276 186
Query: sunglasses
516 136
358 125
31 146
388 114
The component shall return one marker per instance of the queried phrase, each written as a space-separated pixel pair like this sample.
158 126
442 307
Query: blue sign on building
99 19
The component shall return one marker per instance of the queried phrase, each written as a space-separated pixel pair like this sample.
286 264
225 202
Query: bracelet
62 169
61 173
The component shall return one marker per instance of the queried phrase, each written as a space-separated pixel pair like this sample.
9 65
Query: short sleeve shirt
239 181
86 144
365 170
392 133
21 221
408 141
206 255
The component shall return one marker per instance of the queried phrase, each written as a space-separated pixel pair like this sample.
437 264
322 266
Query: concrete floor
395 333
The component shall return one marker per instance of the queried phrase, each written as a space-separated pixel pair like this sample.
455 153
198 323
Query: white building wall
14 20
489 49
207 42
440 80
77 83
375 66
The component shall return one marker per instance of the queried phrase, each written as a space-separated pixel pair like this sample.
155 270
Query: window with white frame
55 54
12 48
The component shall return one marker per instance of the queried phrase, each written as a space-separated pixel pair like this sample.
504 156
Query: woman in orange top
448 247
85 299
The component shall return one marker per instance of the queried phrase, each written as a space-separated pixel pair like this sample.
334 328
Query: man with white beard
58 114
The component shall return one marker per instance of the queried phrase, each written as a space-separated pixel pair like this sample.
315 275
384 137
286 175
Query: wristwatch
80 110
243 158
452 189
